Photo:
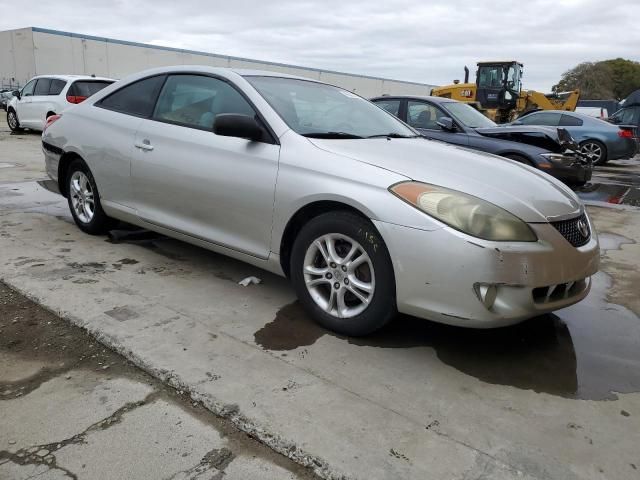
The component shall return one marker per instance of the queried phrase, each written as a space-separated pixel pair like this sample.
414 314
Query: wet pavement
589 351
617 183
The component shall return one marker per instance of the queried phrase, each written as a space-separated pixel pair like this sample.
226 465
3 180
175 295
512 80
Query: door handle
144 145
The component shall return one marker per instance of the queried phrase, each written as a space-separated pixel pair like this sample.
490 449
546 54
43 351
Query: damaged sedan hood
524 191
554 139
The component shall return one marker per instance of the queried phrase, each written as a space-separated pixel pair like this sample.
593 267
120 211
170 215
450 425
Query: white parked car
311 181
595 112
48 95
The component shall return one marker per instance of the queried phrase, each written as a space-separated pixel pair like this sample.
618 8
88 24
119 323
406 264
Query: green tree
615 78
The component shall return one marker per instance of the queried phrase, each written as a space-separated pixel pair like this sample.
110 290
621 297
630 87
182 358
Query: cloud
427 42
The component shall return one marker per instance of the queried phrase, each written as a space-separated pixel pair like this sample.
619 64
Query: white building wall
27 52
17 57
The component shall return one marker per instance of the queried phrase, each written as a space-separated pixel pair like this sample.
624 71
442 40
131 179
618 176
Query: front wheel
84 200
343 275
594 151
12 121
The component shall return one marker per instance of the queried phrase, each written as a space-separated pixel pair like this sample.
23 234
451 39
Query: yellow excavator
498 92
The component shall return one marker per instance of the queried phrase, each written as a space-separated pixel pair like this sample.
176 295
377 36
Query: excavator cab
498 84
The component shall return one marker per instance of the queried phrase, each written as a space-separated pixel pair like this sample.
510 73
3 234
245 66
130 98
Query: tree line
604 80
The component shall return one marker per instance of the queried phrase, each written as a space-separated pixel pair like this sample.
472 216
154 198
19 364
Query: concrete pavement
70 408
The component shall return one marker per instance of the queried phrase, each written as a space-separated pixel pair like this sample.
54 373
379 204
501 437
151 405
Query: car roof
579 115
266 73
223 71
73 77
417 97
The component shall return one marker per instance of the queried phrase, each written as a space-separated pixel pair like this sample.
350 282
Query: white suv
47 95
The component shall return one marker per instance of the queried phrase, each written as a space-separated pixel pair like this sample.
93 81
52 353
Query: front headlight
558 158
464 212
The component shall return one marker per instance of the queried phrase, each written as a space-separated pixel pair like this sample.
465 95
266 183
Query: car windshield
323 111
468 116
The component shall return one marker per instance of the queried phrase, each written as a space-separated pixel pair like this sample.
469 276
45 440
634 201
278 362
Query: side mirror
16 93
517 122
237 125
446 123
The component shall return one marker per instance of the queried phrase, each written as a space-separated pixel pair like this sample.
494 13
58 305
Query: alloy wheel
592 151
339 275
12 120
82 196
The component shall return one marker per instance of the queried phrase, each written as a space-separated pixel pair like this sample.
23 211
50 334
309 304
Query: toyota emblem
583 228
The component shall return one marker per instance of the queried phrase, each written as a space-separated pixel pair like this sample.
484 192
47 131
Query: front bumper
574 174
571 170
449 277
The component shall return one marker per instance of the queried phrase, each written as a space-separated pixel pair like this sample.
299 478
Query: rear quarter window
137 98
569 121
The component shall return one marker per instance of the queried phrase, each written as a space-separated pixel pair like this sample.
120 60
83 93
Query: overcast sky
425 41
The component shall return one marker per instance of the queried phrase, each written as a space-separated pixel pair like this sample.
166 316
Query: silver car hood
524 191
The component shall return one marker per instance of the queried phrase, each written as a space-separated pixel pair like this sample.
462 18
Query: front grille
574 230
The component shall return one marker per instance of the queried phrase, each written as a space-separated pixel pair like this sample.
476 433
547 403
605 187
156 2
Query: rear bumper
627 148
452 278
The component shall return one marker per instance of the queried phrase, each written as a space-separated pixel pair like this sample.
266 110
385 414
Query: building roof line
215 55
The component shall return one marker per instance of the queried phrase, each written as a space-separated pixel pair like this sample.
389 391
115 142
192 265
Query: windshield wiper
393 135
331 135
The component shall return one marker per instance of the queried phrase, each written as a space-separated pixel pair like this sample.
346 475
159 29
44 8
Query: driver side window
27 90
195 100
542 118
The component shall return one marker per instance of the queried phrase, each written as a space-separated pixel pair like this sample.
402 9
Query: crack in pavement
45 454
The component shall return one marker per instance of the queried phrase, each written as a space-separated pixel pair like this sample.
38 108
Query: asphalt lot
555 397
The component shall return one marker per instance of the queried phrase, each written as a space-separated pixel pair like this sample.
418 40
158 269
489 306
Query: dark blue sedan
455 122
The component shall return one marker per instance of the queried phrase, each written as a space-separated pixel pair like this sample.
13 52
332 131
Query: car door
39 103
190 180
23 104
424 117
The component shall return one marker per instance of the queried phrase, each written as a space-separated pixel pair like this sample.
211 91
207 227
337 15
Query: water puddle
612 193
588 351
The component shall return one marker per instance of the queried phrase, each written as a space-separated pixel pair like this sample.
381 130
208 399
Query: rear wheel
84 200
342 274
12 120
594 151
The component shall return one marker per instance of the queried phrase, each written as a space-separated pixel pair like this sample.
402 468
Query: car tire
351 292
12 121
595 151
84 200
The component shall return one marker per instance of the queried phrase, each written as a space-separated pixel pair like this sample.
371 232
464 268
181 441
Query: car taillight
50 121
625 133
76 98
